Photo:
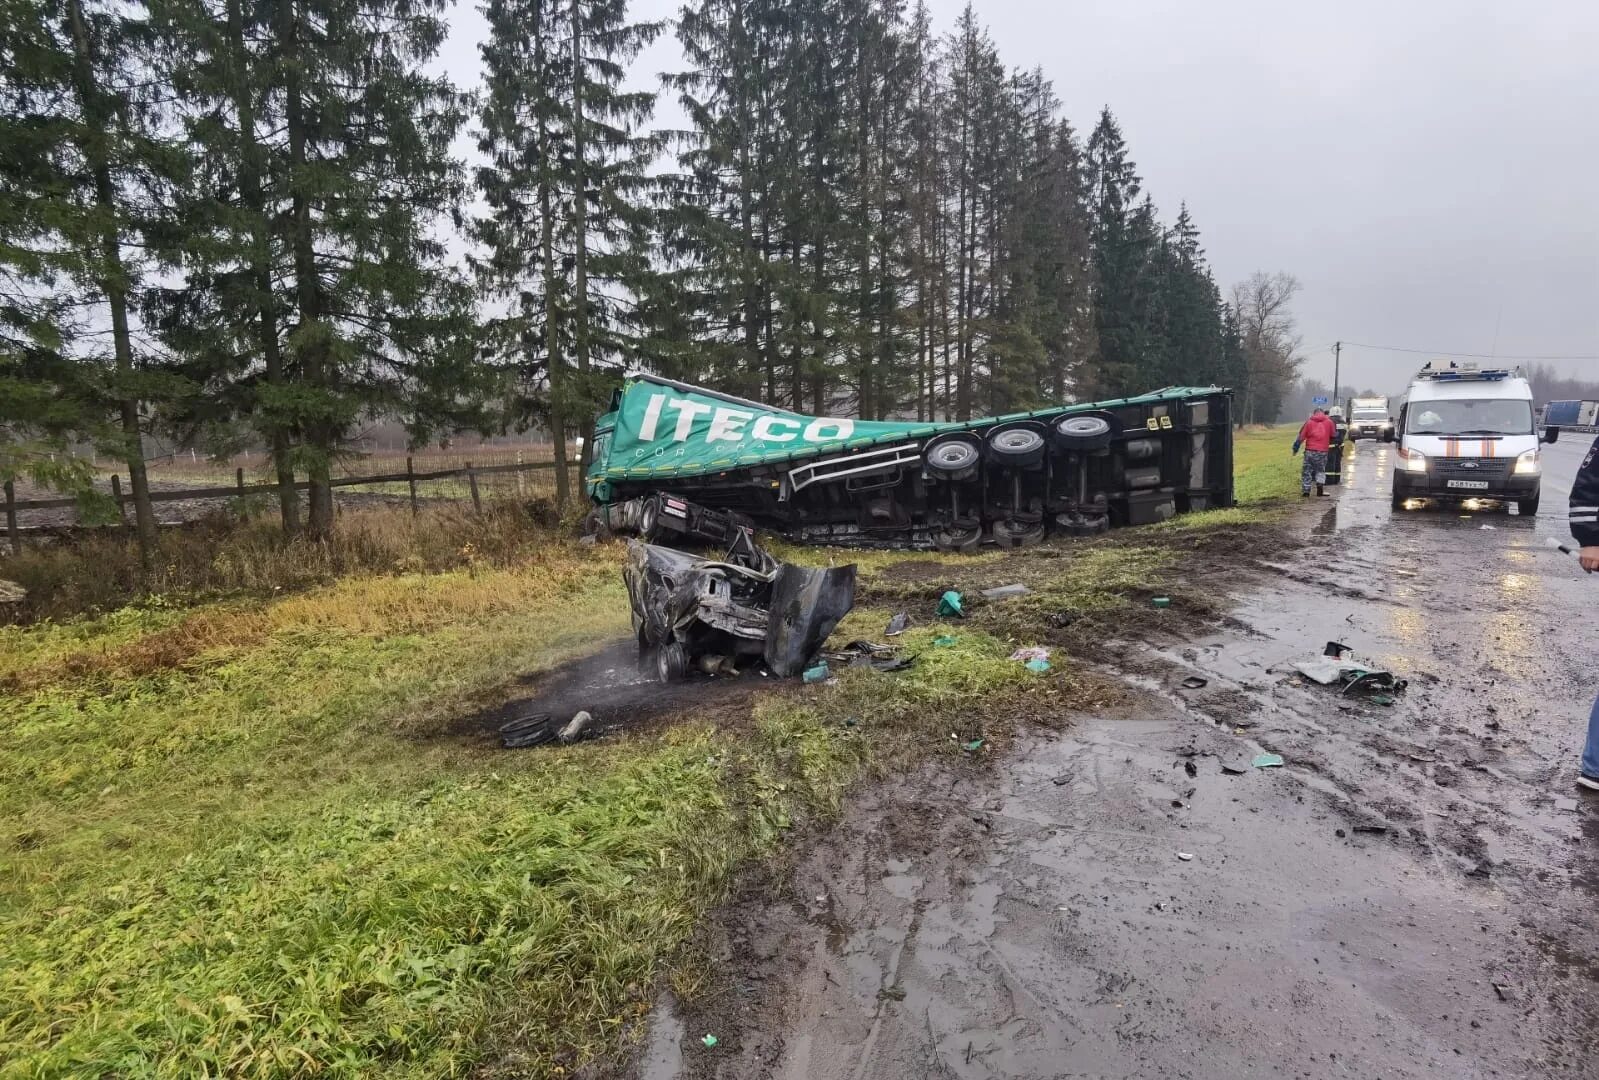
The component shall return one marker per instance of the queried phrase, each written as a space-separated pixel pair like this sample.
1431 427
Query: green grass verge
1263 466
234 842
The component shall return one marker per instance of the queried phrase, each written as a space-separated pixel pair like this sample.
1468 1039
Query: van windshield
1492 416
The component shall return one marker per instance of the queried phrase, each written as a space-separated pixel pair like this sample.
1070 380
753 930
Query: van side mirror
1551 435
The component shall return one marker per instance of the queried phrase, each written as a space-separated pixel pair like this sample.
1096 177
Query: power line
1462 355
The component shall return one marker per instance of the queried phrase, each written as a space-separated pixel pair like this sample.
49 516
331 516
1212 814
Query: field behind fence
186 487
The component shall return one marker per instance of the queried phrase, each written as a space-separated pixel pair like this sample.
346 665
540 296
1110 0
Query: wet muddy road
1412 894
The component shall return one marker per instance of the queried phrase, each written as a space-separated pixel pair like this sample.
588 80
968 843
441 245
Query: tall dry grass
220 556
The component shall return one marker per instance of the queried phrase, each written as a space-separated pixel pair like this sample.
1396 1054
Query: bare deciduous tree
1270 341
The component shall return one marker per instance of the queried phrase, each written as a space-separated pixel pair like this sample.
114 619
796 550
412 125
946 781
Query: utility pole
1338 356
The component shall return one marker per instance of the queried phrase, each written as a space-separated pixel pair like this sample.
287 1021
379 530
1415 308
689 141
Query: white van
1468 432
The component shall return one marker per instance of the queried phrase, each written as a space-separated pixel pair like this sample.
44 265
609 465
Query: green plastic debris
1162 601
1038 666
950 605
816 674
1267 761
710 1041
1381 699
944 641
973 746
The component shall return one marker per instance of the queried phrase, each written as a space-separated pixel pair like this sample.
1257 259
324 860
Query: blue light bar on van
1469 373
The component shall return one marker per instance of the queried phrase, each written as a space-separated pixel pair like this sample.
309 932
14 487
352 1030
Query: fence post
11 519
116 493
244 507
521 491
410 478
471 479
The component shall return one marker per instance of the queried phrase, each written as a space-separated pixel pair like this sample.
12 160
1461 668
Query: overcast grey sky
1428 169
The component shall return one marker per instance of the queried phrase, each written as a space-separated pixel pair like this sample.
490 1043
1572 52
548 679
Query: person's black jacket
1585 500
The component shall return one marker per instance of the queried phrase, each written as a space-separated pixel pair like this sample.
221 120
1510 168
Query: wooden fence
239 489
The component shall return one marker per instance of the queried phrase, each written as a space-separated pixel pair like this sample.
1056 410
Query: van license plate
1469 485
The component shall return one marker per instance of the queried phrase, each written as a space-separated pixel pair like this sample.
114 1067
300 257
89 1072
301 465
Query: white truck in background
1369 418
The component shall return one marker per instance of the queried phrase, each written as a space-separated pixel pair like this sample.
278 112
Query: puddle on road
663 1053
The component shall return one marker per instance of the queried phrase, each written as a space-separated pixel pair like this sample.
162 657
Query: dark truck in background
674 459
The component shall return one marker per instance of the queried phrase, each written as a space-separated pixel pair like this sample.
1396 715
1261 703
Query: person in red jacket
1317 438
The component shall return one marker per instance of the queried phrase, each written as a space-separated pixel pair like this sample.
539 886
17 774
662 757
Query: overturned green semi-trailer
669 456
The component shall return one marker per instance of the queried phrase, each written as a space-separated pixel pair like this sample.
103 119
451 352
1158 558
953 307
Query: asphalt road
1410 895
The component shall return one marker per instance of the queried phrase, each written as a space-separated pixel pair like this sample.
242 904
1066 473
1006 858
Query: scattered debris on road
1185 856
949 606
1337 666
898 625
1267 761
1161 601
1194 682
1031 652
1004 592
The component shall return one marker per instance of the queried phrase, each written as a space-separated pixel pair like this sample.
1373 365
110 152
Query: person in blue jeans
1585 527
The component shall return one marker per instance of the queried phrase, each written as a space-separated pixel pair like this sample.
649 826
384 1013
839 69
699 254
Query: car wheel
1082 432
1018 446
954 458
671 662
1529 507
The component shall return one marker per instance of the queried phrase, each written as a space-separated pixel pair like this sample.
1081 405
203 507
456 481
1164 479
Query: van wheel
1529 507
1398 502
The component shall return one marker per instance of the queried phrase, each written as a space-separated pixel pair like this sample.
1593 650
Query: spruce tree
84 167
225 322
567 183
379 322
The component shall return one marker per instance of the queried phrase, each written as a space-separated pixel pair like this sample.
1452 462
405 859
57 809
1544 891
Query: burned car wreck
722 615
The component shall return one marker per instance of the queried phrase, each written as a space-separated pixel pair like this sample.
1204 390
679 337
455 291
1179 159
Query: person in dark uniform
1585 527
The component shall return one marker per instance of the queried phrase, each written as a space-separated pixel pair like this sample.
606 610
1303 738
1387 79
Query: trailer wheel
1082 432
955 457
962 540
671 662
1018 534
1018 446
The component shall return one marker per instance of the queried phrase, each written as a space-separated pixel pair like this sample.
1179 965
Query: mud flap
807 606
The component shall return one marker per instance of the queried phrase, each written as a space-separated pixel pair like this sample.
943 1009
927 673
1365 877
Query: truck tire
1018 534
1018 446
954 457
1083 432
1529 507
964 539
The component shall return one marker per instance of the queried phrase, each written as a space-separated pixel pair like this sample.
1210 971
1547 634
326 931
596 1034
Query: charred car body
717 615
669 457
